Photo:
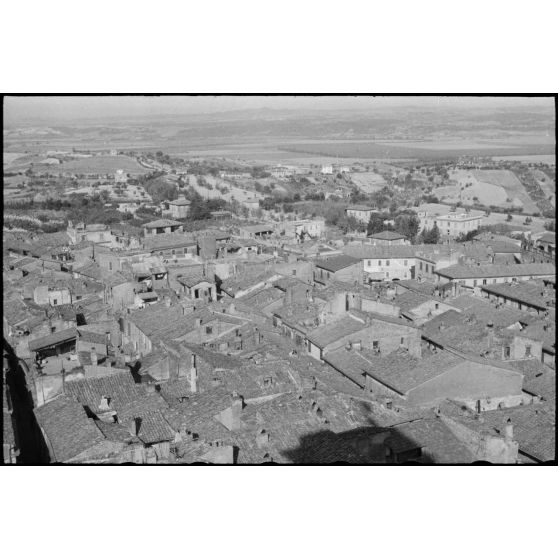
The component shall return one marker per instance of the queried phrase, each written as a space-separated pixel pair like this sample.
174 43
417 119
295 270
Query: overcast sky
64 108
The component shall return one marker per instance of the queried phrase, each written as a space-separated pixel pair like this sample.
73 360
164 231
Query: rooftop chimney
193 375
508 431
136 426
262 438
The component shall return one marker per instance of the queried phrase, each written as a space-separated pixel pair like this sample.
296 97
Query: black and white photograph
279 279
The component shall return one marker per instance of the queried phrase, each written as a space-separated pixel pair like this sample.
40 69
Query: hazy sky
64 108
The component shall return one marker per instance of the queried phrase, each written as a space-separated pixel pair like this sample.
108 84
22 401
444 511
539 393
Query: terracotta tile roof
67 427
326 334
531 293
91 337
217 360
193 280
114 432
534 426
387 235
480 271
484 311
336 263
435 437
395 251
161 223
542 330
360 208
119 388
154 428
168 241
399 371
52 339
538 378
244 280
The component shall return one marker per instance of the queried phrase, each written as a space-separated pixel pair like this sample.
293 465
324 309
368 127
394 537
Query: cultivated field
368 182
510 183
548 159
9 158
487 194
100 165
379 150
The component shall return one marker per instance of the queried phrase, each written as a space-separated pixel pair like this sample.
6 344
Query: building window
55 302
387 273
404 262
387 262
369 263
436 306
507 352
484 281
474 282
379 262
110 266
208 330
420 266
294 272
528 350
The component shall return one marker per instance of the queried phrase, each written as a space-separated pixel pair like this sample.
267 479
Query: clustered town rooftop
269 343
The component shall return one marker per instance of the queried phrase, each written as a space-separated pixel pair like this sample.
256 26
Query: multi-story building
361 213
451 225
177 209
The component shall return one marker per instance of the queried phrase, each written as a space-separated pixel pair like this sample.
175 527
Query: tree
509 217
407 223
431 236
376 224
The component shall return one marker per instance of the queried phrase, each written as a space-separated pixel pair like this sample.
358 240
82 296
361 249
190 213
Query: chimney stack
508 431
94 359
236 407
136 426
289 296
193 375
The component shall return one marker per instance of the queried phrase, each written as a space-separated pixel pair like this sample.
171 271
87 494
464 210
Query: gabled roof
359 208
488 270
161 223
92 337
180 202
326 334
193 280
336 263
528 292
53 339
154 428
387 235
67 428
119 388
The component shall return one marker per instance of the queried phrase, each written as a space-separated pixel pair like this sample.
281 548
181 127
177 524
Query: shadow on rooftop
364 445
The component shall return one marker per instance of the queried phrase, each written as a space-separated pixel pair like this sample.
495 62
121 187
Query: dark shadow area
364 445
31 443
